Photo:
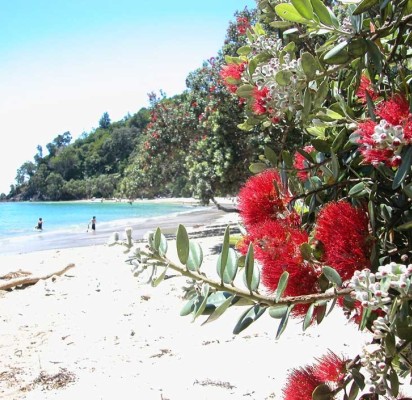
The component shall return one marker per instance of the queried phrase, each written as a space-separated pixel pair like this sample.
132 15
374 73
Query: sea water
20 218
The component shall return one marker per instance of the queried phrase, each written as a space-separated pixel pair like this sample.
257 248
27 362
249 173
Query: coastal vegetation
326 225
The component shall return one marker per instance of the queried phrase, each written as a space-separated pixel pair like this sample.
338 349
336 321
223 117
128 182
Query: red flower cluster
242 25
301 163
263 198
383 142
343 231
277 247
231 74
366 87
260 98
273 230
302 382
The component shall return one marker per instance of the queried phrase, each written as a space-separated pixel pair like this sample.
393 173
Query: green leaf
308 317
309 65
271 156
188 307
404 168
306 251
375 57
231 267
157 237
160 278
287 159
390 345
283 282
357 189
249 266
304 8
404 227
323 392
283 77
320 313
366 312
281 24
256 168
289 13
332 275
245 91
195 258
322 12
365 5
248 317
182 244
339 58
321 145
321 93
358 378
163 245
225 250
278 311
335 166
408 190
307 103
284 321
202 301
339 140
394 381
219 310
244 50
336 50
353 393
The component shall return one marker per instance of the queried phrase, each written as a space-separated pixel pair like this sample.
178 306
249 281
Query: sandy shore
194 215
97 332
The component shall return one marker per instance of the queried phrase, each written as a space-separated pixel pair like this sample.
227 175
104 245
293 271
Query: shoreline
196 215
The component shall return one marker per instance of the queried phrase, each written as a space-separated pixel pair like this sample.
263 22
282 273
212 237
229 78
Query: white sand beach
97 332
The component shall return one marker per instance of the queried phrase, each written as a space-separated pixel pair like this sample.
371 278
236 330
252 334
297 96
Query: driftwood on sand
29 279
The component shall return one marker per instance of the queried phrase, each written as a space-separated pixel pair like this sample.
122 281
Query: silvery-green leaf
283 282
248 317
195 258
219 310
278 311
182 244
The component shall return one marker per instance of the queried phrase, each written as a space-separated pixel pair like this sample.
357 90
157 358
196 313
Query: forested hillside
192 144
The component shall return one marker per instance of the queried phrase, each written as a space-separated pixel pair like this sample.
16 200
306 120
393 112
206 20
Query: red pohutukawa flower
231 74
263 198
330 368
300 384
301 163
366 87
260 98
242 25
343 231
383 142
277 248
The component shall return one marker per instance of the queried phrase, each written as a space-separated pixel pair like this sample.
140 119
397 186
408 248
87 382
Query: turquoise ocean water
19 218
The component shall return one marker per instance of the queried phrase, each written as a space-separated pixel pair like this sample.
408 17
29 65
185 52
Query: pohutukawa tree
328 225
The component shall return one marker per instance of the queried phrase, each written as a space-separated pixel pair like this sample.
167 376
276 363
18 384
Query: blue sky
63 63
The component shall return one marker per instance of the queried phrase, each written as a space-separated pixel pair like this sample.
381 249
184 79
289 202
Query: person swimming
39 225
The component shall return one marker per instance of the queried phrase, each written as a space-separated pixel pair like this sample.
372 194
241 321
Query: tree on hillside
104 121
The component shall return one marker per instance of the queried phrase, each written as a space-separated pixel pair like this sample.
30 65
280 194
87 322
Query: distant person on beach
39 225
92 223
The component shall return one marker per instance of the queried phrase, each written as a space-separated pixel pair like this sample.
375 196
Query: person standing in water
39 225
92 223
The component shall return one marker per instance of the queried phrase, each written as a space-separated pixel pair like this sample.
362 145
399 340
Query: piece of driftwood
31 279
